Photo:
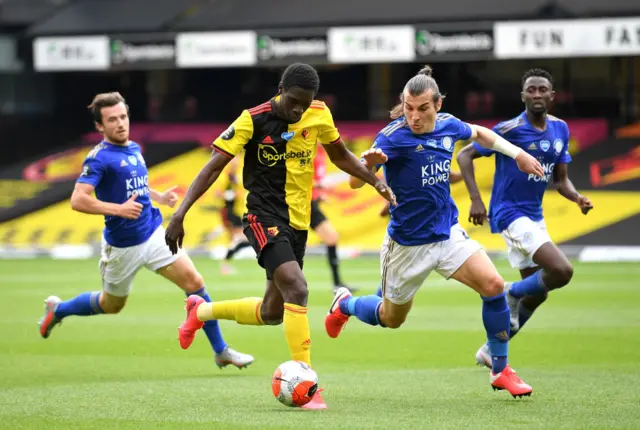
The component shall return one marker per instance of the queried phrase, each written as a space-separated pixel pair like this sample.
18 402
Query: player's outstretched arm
82 200
478 211
348 163
207 176
490 140
567 190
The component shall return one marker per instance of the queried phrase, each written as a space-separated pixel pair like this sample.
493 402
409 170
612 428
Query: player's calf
393 316
112 307
527 307
496 320
272 312
532 285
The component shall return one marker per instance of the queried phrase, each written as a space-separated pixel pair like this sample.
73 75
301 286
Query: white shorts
524 237
405 268
118 266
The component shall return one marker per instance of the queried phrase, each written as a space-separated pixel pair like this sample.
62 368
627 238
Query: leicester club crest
447 143
557 145
133 160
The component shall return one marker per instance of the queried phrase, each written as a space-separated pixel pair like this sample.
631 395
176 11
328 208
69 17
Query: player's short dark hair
104 100
420 83
302 76
537 73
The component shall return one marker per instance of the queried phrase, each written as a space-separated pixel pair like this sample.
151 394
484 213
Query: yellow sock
243 311
296 330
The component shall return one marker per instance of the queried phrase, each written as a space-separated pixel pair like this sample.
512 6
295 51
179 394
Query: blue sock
529 286
83 305
212 328
496 319
379 290
365 308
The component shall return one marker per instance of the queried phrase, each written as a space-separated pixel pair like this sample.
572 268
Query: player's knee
562 274
294 289
493 286
296 293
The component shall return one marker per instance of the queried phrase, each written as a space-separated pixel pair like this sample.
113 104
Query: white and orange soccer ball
294 383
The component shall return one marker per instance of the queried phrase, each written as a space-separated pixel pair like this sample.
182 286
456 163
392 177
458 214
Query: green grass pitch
580 352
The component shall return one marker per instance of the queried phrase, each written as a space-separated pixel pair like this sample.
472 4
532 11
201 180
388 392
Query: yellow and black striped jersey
278 160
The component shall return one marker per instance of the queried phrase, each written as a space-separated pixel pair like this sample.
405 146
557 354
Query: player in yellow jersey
279 138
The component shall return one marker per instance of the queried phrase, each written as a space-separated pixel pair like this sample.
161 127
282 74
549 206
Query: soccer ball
294 383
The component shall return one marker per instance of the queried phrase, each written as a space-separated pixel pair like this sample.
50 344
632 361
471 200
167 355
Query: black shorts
275 242
317 217
229 218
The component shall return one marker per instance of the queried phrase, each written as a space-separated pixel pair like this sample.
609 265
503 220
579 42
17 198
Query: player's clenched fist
528 164
130 209
585 204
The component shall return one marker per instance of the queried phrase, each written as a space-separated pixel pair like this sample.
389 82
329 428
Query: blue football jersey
117 172
517 194
418 173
